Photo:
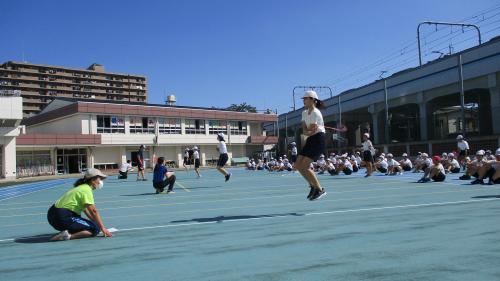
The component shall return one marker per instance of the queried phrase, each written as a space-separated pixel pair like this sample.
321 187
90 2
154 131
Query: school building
418 109
70 135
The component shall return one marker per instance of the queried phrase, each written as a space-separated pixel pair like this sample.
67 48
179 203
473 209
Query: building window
238 127
142 125
110 124
195 126
217 126
169 125
34 163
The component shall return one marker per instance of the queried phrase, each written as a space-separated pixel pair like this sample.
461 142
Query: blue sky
214 53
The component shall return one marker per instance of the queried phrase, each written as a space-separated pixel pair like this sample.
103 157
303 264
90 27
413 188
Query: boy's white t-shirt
428 162
463 145
383 164
125 167
348 164
454 163
392 162
196 154
440 167
222 147
408 163
294 150
315 117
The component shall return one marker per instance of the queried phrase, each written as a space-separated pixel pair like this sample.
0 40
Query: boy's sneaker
465 177
170 192
477 181
426 180
228 176
421 180
490 182
318 194
311 192
144 179
61 236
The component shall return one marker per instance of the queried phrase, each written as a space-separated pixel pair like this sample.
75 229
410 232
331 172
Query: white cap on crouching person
480 152
311 94
451 155
92 172
405 155
497 153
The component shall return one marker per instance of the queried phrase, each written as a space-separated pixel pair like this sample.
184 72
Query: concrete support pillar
375 129
422 114
123 155
495 109
183 126
180 158
203 159
90 160
206 127
9 157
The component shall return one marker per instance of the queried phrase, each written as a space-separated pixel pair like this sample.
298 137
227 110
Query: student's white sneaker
400 173
61 236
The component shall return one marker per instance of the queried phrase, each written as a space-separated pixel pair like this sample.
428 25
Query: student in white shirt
393 166
186 159
452 164
368 152
381 165
124 169
435 172
346 165
406 163
313 127
473 167
196 157
490 170
463 149
293 152
223 157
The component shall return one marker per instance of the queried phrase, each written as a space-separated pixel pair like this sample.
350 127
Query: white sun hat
310 94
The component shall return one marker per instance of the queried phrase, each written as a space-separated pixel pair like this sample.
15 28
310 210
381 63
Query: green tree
244 107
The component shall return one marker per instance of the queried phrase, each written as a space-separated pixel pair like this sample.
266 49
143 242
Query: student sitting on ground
406 163
488 155
355 167
287 165
260 165
162 177
473 167
435 171
393 166
490 170
321 164
124 169
357 158
424 163
330 168
452 165
345 165
381 164
249 165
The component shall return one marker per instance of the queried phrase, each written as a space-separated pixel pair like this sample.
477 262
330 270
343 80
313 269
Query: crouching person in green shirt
65 214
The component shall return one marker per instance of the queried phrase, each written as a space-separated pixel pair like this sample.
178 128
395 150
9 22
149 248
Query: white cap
293 143
322 156
451 155
366 135
389 155
195 148
480 152
310 94
425 155
357 152
405 155
460 137
344 155
221 135
92 172
497 153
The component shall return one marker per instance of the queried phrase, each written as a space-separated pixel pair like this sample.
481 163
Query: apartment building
40 84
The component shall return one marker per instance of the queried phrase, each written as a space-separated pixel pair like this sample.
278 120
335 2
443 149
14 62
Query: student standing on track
196 157
140 163
186 159
294 153
65 214
124 169
463 149
368 151
162 177
313 127
223 157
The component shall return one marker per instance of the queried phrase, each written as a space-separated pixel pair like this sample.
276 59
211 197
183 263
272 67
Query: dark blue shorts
64 219
314 147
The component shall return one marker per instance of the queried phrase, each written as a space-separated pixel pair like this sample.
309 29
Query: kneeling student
162 177
452 164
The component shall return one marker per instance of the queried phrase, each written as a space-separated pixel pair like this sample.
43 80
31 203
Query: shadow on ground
234 218
42 238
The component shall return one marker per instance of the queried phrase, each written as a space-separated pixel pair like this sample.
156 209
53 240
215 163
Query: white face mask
101 184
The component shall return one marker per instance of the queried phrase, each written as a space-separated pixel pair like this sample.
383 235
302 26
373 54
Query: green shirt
76 198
